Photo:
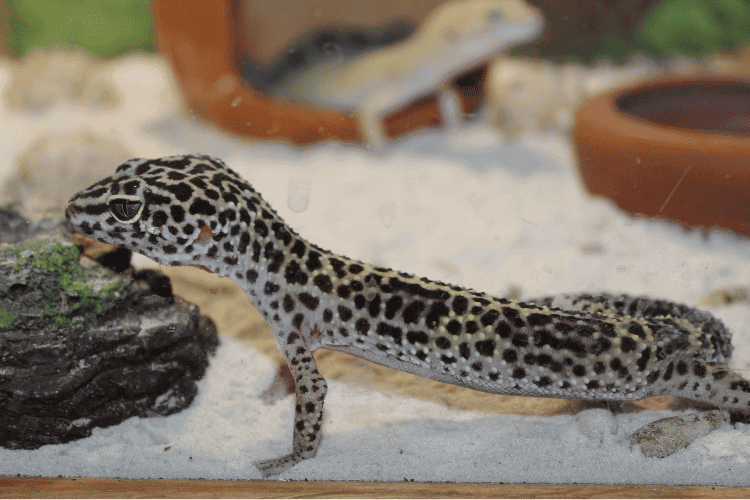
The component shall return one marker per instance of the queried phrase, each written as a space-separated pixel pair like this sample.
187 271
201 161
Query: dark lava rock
82 346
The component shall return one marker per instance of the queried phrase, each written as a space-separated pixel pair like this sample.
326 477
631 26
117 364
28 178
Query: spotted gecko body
193 210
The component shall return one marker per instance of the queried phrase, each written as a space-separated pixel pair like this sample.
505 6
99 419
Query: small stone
57 166
597 424
665 437
44 78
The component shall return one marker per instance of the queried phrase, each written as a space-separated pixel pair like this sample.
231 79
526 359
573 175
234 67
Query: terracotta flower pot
201 40
678 149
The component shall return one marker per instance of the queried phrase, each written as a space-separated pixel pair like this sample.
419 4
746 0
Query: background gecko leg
310 391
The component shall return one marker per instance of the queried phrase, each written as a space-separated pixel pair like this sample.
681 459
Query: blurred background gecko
456 38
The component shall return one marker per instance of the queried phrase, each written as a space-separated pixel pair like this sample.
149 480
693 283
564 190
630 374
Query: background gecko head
177 210
463 21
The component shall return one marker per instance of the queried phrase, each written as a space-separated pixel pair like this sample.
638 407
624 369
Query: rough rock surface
669 435
82 347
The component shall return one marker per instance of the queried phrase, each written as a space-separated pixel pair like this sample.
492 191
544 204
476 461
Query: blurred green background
108 28
105 28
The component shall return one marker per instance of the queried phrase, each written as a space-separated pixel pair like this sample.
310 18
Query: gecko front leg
310 391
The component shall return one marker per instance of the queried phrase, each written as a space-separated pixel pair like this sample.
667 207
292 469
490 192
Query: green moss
104 28
6 318
73 296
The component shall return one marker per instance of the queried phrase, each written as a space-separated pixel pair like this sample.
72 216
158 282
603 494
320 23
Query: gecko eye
495 16
125 209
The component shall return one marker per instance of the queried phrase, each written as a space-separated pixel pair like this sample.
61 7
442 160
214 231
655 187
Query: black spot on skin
464 350
652 377
544 382
343 291
489 317
599 368
260 228
628 344
338 267
288 303
298 248
294 274
593 384
251 276
345 314
485 347
682 368
169 249
443 343
494 377
699 369
600 346
514 317
520 340
510 356
668 372
323 282
643 360
177 213
536 319
637 330
453 327
544 359
362 326
529 358
742 385
413 311
355 268
298 319
460 304
518 373
202 207
579 371
448 359
471 327
313 261
292 338
374 307
343 332
503 329
270 288
416 337
382 347
390 331
392 306
421 355
309 301
360 301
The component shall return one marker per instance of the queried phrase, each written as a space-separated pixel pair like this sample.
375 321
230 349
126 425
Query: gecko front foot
276 466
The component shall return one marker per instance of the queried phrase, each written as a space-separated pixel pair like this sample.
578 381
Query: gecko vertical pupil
125 210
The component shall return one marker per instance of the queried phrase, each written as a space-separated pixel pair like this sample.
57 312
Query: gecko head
487 20
177 210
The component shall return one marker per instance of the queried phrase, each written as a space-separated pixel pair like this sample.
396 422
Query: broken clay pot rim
200 39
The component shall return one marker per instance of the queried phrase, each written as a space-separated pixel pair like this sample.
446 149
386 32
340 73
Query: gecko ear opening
125 209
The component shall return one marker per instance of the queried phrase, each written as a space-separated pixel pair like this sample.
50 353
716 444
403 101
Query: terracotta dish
200 38
678 149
